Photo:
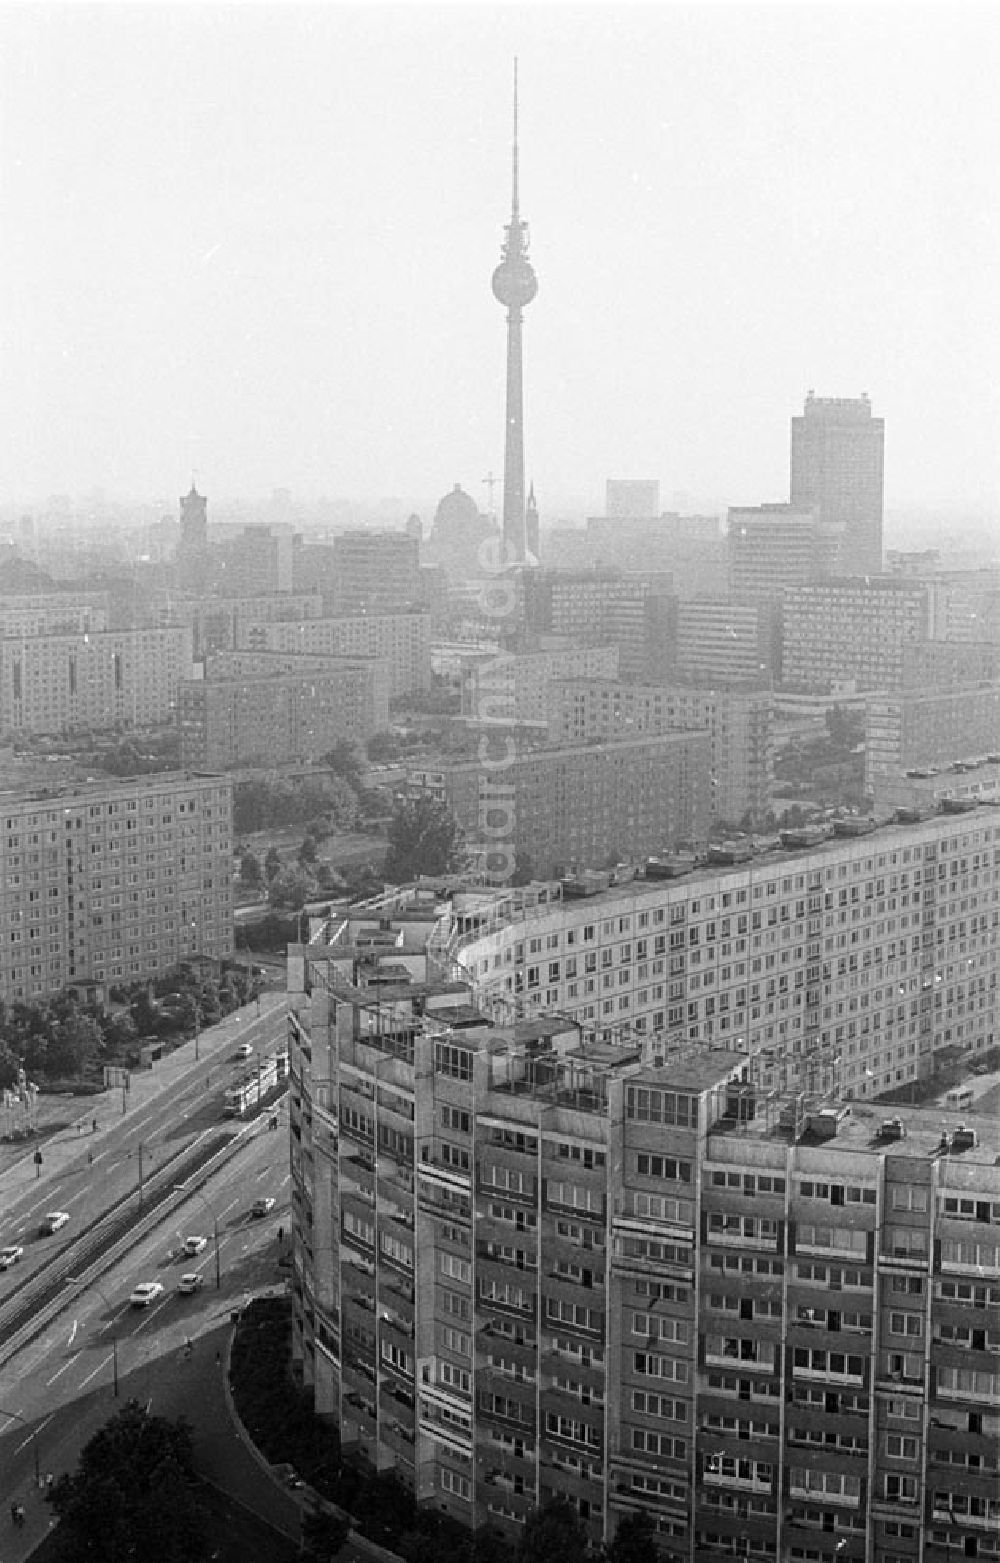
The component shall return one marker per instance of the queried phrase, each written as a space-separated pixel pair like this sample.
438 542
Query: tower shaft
514 545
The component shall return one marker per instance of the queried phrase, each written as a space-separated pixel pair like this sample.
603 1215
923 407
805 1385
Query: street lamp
34 1439
182 1188
75 1280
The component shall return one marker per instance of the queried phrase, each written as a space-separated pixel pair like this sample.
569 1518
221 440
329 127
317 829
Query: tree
554 1533
74 1043
634 1542
272 864
344 761
523 869
324 1532
134 1495
289 889
250 870
423 839
307 851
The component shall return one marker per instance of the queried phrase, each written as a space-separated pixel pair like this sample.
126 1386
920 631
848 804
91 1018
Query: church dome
457 511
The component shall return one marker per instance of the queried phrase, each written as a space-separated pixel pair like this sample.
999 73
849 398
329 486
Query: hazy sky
256 242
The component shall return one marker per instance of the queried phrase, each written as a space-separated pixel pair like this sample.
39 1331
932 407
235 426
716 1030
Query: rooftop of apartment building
71 791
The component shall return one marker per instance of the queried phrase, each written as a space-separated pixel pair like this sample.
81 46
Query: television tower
514 286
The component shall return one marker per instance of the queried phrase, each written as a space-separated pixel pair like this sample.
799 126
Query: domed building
457 537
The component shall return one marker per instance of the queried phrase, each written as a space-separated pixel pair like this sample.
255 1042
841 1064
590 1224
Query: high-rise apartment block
741 758
837 469
269 708
402 640
52 613
113 882
515 687
852 630
529 1266
773 547
635 613
106 678
915 731
577 807
723 644
375 572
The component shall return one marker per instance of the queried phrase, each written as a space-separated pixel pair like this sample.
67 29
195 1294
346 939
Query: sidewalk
145 1086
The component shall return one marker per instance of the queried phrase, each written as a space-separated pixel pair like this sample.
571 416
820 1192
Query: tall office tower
514 286
194 521
837 459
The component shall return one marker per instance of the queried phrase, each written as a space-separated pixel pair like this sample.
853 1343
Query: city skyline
253 245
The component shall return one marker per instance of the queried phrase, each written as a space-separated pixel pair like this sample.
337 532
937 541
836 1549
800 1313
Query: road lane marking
85 1381
72 1333
59 1373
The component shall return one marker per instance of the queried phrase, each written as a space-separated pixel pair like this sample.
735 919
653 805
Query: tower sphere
514 282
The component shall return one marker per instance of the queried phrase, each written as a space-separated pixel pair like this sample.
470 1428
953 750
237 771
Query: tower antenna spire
513 160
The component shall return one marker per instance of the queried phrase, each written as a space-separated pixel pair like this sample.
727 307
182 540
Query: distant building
580 806
256 561
948 664
773 547
634 498
375 572
108 679
402 640
463 540
516 688
920 729
52 613
855 629
635 613
272 708
741 759
837 469
722 644
138 875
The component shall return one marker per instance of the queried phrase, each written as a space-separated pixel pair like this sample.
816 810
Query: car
10 1256
190 1283
245 1050
145 1293
52 1221
194 1245
261 1207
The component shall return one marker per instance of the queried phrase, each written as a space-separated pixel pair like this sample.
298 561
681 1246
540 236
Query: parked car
194 1245
145 1293
10 1256
261 1207
52 1221
245 1050
192 1282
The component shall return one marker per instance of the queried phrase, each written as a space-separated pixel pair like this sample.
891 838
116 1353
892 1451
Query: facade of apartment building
852 630
915 730
632 612
579 807
113 882
528 1267
269 708
402 640
375 572
515 687
845 965
947 664
581 710
101 679
774 547
723 645
52 613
